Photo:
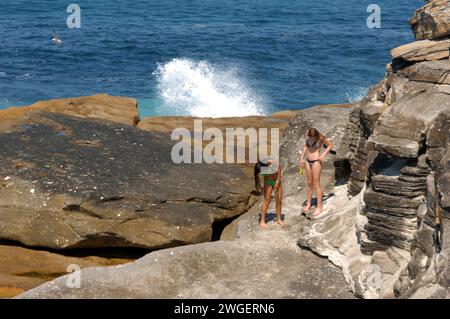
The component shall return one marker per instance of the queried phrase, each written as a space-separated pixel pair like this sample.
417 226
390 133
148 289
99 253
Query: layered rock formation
432 20
397 149
408 142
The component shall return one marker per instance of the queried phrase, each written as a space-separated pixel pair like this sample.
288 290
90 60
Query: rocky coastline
84 181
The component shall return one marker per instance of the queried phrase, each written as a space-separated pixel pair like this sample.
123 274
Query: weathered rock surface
22 269
401 130
352 153
436 72
389 237
68 182
246 263
427 273
396 154
169 123
259 268
426 50
432 20
241 127
102 106
330 120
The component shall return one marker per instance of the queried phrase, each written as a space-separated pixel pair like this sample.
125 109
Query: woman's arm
329 147
302 159
278 181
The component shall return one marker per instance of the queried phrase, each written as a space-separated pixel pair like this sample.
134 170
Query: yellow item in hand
302 170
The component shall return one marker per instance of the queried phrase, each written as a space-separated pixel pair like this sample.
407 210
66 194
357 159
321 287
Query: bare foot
306 208
263 225
279 222
317 212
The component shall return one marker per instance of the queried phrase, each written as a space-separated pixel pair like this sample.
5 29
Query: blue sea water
199 57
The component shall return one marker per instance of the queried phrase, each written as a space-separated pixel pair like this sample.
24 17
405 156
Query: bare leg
316 170
279 196
265 205
309 191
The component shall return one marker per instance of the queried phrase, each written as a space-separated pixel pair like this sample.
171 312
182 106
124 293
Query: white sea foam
357 95
198 88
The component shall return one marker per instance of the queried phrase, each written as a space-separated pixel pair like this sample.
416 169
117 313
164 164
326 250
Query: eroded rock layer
397 146
68 182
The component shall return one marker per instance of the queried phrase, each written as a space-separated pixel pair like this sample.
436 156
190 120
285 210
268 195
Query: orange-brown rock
432 20
22 269
102 106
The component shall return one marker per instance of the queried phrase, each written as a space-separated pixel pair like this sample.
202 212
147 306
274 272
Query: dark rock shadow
270 216
314 204
314 199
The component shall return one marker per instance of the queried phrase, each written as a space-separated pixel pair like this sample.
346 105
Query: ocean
199 57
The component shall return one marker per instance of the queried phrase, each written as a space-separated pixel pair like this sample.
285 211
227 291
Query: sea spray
199 88
356 94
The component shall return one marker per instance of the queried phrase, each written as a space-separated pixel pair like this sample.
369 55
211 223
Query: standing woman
313 166
271 171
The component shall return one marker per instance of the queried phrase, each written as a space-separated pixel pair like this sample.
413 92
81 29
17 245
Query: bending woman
313 166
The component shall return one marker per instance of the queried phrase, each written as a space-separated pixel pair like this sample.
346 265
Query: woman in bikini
272 181
311 150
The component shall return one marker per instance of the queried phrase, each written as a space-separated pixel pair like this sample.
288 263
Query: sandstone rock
329 233
334 236
437 72
402 87
390 264
69 182
444 190
411 138
431 291
22 269
396 146
292 143
395 186
401 129
427 273
354 152
438 135
392 203
393 149
259 266
294 184
372 106
261 124
169 123
431 194
437 143
414 171
432 20
426 50
386 201
396 137
102 106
